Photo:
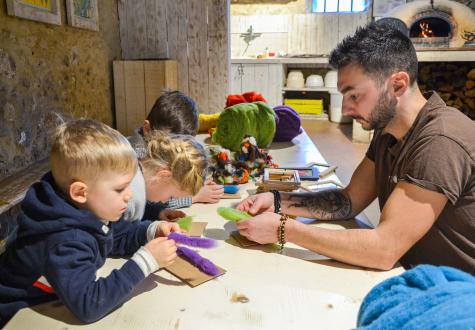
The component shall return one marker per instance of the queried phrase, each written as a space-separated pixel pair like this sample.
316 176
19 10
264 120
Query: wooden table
295 289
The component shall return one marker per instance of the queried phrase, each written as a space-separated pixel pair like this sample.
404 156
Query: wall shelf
448 55
313 89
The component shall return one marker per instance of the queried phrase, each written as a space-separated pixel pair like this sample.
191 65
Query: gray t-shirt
139 208
136 205
438 154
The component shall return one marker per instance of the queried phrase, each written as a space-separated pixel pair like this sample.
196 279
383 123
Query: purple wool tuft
203 264
205 243
287 122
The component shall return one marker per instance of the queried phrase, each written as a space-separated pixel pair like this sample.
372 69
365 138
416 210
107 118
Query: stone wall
454 81
47 70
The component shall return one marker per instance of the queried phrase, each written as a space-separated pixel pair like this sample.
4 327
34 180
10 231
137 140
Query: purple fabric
194 258
287 122
205 243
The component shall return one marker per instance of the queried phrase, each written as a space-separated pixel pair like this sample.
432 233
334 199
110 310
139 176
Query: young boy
70 222
175 113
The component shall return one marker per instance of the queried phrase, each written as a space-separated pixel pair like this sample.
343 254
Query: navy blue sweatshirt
66 246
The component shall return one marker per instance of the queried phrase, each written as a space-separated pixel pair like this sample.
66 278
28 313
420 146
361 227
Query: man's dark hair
394 23
379 49
176 112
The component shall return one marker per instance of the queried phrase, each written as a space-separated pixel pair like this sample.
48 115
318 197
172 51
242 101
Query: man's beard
383 112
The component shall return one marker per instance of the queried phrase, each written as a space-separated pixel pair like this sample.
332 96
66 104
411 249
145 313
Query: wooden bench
12 192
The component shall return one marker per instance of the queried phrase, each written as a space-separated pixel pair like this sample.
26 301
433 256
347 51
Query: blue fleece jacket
66 246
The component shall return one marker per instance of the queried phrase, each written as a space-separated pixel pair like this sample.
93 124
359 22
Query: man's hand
261 229
163 250
171 214
209 193
256 204
165 228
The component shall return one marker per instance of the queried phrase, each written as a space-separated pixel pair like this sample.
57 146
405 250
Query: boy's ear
147 128
78 192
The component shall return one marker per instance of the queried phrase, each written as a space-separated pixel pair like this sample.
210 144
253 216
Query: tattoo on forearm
331 204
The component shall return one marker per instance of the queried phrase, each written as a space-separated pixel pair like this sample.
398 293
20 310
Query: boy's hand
165 228
163 250
209 193
171 215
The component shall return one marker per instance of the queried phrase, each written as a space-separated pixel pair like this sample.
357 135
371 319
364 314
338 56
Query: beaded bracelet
281 231
276 200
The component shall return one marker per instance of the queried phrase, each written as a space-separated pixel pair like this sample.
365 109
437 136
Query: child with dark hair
175 113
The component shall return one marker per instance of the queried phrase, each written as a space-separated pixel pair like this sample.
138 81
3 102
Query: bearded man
420 164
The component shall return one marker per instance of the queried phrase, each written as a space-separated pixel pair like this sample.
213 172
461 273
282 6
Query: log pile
454 82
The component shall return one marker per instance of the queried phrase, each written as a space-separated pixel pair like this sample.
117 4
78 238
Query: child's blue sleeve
71 271
153 209
128 236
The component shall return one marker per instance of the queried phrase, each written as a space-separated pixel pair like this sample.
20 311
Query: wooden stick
328 171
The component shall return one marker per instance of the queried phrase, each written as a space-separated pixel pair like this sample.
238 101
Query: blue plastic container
231 189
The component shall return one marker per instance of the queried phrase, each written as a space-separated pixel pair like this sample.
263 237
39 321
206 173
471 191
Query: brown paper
190 274
243 241
197 229
231 196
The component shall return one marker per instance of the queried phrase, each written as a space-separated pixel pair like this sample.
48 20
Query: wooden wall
193 32
294 33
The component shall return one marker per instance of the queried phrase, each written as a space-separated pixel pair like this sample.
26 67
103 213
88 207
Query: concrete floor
334 142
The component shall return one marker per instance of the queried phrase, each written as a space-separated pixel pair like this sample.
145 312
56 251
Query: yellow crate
303 101
314 107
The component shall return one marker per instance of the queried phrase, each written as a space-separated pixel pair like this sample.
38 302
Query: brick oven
443 33
437 24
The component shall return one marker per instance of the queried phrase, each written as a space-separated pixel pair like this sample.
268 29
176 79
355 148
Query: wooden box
279 179
137 85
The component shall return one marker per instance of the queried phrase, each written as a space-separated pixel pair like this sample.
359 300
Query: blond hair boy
71 221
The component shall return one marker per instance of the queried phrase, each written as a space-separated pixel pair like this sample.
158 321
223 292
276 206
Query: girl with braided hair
172 166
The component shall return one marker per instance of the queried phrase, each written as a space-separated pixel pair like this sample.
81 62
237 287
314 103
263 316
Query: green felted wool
256 119
232 214
185 222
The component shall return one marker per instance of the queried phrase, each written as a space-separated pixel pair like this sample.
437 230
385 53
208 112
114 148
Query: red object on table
247 97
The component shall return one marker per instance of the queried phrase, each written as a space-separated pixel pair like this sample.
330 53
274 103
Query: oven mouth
430 27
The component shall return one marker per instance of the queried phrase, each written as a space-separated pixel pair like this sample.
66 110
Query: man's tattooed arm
331 204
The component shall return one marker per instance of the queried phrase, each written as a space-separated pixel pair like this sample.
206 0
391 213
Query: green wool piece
232 214
185 222
256 119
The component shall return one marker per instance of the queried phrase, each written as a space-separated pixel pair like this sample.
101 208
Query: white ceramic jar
336 102
314 81
331 79
295 79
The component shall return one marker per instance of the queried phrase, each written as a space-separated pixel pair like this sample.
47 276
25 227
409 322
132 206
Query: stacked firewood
454 82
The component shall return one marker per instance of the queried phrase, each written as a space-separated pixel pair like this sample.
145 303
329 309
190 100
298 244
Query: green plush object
232 214
185 222
255 119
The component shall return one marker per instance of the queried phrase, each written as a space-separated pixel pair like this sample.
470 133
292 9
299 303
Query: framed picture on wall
83 14
46 11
